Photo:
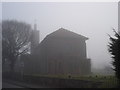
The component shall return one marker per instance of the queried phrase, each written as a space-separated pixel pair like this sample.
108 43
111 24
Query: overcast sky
91 19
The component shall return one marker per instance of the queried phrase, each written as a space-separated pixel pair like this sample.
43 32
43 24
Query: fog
91 19
0 46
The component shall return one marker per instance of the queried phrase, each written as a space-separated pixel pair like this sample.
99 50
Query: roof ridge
62 29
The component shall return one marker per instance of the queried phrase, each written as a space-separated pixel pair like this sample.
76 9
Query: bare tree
15 40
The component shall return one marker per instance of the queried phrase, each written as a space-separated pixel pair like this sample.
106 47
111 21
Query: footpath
23 84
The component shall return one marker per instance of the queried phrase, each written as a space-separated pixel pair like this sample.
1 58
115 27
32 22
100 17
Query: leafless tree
15 40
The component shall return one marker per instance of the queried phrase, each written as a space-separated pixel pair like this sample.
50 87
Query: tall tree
15 40
114 49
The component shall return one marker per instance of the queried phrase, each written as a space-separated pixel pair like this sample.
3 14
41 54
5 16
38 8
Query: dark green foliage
114 49
15 36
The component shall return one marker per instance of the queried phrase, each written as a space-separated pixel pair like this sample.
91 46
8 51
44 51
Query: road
8 85
16 84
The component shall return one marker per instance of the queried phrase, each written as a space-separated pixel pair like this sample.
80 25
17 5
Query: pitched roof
65 33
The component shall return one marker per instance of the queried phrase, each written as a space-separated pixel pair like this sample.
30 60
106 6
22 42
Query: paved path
9 85
16 84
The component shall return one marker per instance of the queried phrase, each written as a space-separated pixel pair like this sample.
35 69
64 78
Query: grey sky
0 47
91 19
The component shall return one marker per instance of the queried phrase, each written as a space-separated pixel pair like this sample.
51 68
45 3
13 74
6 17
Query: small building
61 52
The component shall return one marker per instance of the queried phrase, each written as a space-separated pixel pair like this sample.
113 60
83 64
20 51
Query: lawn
108 81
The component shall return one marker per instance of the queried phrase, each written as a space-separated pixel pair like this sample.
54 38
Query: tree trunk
12 70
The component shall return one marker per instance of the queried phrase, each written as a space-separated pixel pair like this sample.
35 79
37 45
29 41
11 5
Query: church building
62 52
